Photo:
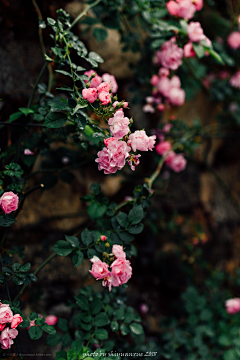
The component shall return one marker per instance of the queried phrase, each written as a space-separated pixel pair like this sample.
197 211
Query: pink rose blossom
99 268
51 320
104 86
28 152
117 250
140 141
95 81
148 108
105 97
167 127
177 96
108 140
111 80
232 306
235 80
103 237
90 94
113 157
186 9
178 163
234 40
198 4
119 124
163 147
16 320
175 82
121 270
154 80
173 7
89 73
164 86
188 50
161 107
6 338
144 308
163 72
2 326
170 157
195 32
9 202
171 55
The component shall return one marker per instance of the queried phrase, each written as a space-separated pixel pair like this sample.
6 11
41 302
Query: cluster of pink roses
233 306
116 152
170 89
9 202
174 161
100 87
196 35
184 8
121 270
8 333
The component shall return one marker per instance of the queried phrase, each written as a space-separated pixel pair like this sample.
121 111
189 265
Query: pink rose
28 152
175 82
154 80
89 73
177 96
51 319
117 250
111 80
171 55
170 157
103 237
198 4
161 107
121 270
2 326
148 108
104 86
195 32
95 81
163 72
164 86
113 157
16 320
173 7
6 338
99 268
232 306
186 9
188 50
108 140
104 97
140 141
234 40
90 94
167 127
6 314
163 147
119 124
235 80
9 202
178 163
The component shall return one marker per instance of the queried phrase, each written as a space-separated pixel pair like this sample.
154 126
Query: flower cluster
8 333
121 270
196 35
184 8
99 87
174 161
9 202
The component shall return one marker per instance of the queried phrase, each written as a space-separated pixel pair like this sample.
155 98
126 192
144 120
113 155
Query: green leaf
64 73
35 332
33 316
25 267
53 340
85 317
94 56
230 355
77 258
24 324
125 236
7 220
114 326
66 340
101 334
63 324
136 329
199 50
82 302
49 329
62 248
96 306
100 34
124 329
40 321
119 315
122 219
55 120
136 214
91 253
73 241
136 229
61 355
15 116
101 319
51 21
96 210
86 237
26 111
48 58
17 280
216 56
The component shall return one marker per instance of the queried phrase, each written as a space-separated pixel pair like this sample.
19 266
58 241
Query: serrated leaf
26 111
82 302
62 248
73 241
35 332
96 57
55 120
15 116
114 326
96 306
7 220
136 328
100 34
101 334
63 324
136 214
77 258
136 229
48 329
122 219
86 237
101 319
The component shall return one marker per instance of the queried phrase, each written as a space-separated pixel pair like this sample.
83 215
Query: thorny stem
84 13
50 78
